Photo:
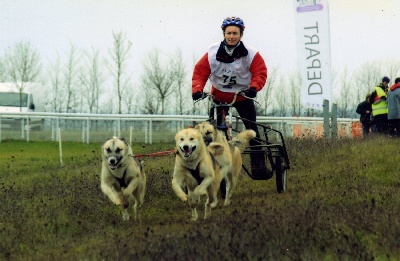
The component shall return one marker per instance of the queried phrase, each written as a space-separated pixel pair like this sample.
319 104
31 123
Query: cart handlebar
241 93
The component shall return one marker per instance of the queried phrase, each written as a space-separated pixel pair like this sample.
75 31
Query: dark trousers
381 123
366 125
245 109
394 127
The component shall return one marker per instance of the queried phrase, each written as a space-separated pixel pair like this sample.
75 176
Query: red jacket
395 86
202 72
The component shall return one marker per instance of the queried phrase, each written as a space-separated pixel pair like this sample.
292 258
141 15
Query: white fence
143 128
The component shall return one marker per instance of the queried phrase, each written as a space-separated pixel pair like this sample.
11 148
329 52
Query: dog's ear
212 121
194 123
126 143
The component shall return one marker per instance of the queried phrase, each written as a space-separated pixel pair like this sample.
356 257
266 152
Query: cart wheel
281 172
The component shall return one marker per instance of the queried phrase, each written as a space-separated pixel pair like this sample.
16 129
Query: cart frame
276 155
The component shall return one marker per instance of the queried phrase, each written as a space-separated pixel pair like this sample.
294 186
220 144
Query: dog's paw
124 201
183 197
214 203
116 201
198 192
194 199
227 202
125 216
207 212
195 215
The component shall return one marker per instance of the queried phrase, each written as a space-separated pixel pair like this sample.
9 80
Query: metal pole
27 127
145 132
119 127
130 135
53 131
83 133
60 146
22 128
88 130
58 126
151 131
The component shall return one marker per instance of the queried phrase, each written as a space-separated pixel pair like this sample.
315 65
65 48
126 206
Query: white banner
313 51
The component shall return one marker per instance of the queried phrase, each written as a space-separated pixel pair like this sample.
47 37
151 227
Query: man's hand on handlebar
250 93
198 96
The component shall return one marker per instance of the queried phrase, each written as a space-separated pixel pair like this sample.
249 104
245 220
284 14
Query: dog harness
196 172
121 180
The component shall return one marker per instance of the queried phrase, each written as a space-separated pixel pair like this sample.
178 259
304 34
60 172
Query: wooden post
334 121
326 116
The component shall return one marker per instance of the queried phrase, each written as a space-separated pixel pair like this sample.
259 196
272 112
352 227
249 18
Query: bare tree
151 105
265 97
107 105
119 57
182 90
295 88
23 65
368 76
157 78
281 100
345 100
92 79
70 78
56 95
3 70
393 69
129 98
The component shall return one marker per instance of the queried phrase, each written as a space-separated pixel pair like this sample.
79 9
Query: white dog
122 176
196 170
230 160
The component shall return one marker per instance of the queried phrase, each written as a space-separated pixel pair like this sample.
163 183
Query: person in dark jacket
364 109
394 108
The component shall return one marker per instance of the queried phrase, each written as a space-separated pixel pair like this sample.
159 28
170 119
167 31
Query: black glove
197 95
251 92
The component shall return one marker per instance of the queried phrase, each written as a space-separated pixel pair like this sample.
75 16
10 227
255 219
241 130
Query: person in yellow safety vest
379 105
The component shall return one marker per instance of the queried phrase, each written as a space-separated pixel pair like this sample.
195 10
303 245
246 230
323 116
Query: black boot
259 169
222 188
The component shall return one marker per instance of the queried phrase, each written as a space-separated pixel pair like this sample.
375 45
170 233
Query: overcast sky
361 30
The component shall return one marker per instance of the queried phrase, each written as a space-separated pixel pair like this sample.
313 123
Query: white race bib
230 77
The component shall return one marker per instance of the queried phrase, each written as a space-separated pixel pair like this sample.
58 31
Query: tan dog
230 160
122 176
196 170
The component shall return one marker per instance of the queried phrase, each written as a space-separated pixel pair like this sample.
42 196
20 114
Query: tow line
157 154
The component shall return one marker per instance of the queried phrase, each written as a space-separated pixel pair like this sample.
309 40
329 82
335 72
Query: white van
10 101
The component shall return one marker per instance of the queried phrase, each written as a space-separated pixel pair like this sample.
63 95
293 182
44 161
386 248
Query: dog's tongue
188 151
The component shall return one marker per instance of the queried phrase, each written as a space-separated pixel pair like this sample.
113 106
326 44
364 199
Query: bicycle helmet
233 21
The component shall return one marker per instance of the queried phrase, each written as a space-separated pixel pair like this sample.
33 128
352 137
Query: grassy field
342 203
